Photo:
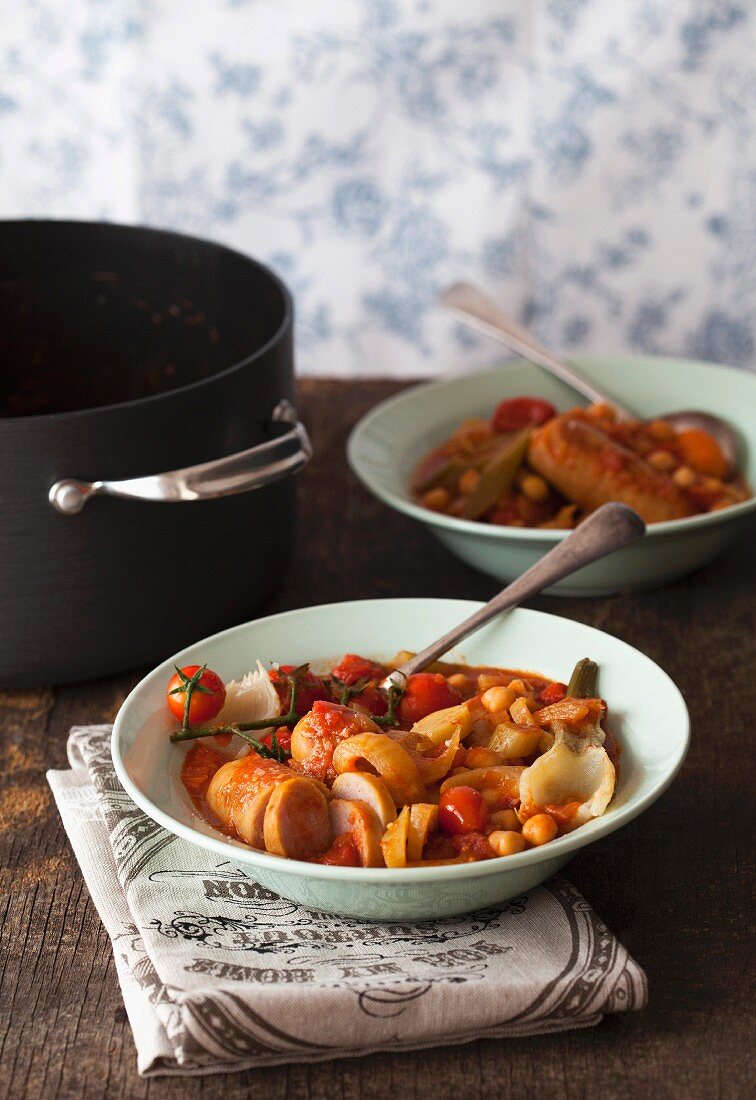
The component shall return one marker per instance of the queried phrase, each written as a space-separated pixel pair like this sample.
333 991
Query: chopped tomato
351 669
342 853
283 739
554 693
505 516
371 700
426 692
564 813
473 845
199 767
701 451
462 810
439 846
204 689
521 412
309 688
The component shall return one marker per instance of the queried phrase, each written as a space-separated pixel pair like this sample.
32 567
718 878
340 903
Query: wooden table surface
675 885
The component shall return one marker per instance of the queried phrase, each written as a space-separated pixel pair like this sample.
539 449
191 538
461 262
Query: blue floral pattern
590 164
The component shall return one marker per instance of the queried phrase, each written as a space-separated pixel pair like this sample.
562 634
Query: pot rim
16 422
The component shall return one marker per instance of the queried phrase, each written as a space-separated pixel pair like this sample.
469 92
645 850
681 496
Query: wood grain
675 885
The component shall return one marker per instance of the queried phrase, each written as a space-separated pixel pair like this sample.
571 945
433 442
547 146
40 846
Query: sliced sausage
239 791
590 468
368 788
297 824
360 822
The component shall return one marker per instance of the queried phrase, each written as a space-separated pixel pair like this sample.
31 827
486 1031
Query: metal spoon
607 529
474 308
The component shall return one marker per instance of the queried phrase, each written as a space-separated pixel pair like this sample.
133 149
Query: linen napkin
219 974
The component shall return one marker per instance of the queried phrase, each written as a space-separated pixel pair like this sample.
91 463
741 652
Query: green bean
582 683
497 475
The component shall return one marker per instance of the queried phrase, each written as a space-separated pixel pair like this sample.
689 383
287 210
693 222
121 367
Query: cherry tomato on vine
462 810
426 692
309 688
206 691
371 700
283 740
521 412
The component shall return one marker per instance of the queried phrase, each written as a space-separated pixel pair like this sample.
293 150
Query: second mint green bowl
388 442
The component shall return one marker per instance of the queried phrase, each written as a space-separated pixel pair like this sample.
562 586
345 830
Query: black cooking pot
127 353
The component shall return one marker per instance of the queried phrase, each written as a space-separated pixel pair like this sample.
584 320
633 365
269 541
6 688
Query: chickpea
471 433
713 484
459 681
490 679
479 757
534 488
506 819
661 460
683 477
506 842
468 481
661 431
497 698
436 499
540 829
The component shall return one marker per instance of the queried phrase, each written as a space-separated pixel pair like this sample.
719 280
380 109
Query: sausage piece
239 791
590 468
240 795
297 824
359 821
368 788
315 736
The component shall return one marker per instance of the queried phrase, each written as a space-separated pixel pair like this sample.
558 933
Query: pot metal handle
239 473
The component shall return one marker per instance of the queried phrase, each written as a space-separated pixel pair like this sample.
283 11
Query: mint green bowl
388 442
648 714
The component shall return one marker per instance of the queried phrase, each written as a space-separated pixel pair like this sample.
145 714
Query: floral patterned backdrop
589 162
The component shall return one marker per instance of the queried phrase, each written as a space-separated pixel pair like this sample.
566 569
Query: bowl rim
562 846
362 469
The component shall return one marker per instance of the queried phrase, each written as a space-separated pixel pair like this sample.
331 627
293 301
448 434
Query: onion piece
423 819
563 775
504 777
433 768
250 699
394 842
443 724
